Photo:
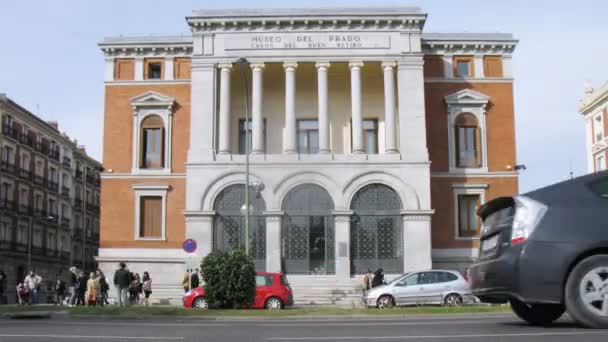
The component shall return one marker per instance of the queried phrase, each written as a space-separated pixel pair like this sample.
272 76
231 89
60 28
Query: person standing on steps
122 282
378 278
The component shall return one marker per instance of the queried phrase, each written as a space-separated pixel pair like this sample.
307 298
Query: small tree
229 278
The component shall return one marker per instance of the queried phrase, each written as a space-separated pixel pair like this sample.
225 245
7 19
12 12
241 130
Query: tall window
155 70
52 208
308 136
242 134
7 155
468 222
6 192
150 217
467 141
152 135
38 202
370 136
25 162
24 197
598 128
39 166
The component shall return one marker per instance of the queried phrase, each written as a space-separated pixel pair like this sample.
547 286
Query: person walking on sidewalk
73 286
92 290
103 288
122 281
59 291
186 281
32 282
147 287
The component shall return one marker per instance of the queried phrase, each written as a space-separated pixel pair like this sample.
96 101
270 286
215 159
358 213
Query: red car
271 292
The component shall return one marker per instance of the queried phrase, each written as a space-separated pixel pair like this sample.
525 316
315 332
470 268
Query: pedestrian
32 282
194 279
59 291
103 288
73 287
122 281
2 287
147 287
23 294
186 281
92 289
366 282
378 278
134 289
82 289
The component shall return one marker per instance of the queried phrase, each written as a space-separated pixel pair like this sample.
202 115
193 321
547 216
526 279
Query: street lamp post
243 63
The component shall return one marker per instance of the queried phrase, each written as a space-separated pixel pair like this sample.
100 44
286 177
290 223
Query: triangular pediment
152 99
467 96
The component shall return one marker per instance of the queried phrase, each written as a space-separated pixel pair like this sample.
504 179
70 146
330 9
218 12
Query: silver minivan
441 287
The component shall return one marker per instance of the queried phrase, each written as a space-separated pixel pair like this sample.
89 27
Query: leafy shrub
229 279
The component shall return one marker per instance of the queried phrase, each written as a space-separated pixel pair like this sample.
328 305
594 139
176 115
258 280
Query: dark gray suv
546 252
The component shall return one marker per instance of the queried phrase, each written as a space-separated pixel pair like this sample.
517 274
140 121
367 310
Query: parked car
272 291
547 251
418 288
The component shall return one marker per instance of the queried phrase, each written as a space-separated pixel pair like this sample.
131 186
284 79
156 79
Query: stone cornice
335 19
593 98
174 46
468 43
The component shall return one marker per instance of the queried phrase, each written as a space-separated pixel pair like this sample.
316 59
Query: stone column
416 240
290 144
389 107
139 68
257 121
169 73
202 107
273 240
109 69
342 241
199 227
322 88
355 97
478 63
412 120
224 120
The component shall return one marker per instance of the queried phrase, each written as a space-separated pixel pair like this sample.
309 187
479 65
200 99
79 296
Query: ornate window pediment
467 97
152 144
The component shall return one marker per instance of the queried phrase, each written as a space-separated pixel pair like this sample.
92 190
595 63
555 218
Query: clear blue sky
49 58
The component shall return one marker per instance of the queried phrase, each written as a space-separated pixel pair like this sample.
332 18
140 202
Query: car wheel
200 303
274 303
385 302
587 292
453 299
537 314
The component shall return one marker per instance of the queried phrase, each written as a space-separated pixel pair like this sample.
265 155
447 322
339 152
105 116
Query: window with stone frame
370 136
463 66
308 136
469 224
152 143
154 69
467 141
598 128
5 232
150 217
22 236
6 193
242 135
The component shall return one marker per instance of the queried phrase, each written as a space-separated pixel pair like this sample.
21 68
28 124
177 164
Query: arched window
468 147
152 143
376 230
308 231
229 223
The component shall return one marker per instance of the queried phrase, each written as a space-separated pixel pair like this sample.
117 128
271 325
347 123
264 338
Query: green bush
229 279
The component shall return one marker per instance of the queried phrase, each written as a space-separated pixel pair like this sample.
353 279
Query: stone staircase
325 290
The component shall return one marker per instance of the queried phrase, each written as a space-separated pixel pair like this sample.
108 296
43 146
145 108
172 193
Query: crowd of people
131 287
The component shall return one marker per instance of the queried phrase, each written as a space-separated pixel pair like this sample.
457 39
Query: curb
28 315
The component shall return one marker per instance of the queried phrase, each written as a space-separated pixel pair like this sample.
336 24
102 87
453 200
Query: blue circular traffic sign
189 246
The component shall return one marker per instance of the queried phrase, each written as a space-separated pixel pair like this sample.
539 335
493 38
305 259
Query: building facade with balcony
42 191
372 144
594 108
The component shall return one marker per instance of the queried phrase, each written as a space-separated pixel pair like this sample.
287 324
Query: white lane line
438 337
93 337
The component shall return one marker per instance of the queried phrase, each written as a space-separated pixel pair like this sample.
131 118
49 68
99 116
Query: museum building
372 143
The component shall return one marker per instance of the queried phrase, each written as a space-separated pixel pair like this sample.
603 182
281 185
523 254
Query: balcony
53 186
39 180
8 167
25 209
25 174
65 192
10 131
25 140
52 253
39 212
53 218
7 204
67 162
39 146
78 174
37 250
65 222
77 203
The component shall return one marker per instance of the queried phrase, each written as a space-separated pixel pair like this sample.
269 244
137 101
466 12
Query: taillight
528 214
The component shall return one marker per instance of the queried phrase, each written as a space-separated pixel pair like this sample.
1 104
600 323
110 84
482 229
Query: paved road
469 328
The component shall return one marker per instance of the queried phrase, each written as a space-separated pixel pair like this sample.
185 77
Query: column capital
255 66
355 64
320 65
224 66
389 65
290 65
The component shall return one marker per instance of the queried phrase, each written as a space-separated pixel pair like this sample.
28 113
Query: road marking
438 337
95 337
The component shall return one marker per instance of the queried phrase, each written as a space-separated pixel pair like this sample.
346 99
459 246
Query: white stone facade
594 107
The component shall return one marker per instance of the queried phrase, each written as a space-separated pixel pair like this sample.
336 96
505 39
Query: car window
263 280
428 278
445 277
284 280
409 280
600 187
